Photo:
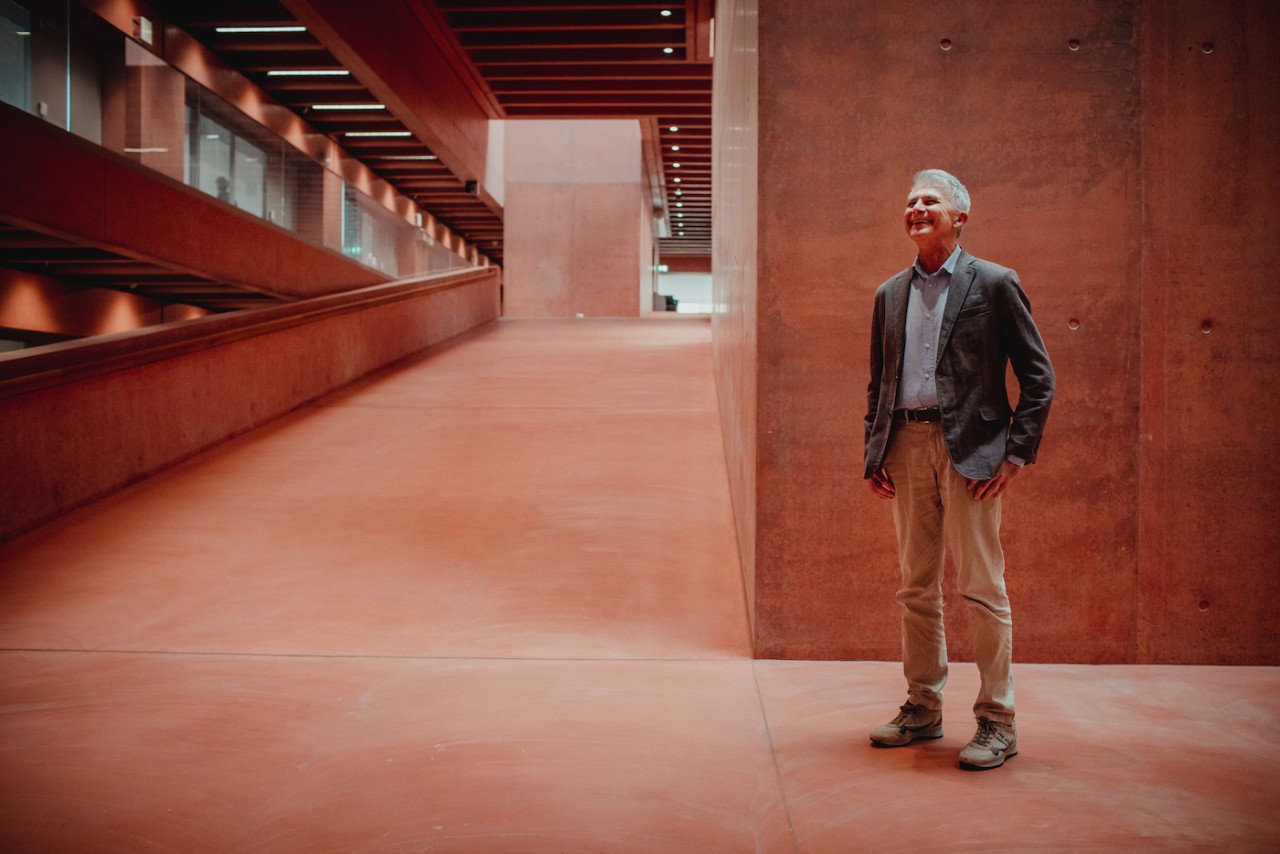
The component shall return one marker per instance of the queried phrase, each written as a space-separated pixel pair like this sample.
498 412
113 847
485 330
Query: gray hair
944 180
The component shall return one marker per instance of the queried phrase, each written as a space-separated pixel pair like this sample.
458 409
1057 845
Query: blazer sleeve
1030 362
877 365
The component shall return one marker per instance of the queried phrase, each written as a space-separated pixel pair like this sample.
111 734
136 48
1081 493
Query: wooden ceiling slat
559 5
291 62
220 13
675 100
541 20
658 37
586 85
276 44
603 71
557 55
307 88
579 112
248 60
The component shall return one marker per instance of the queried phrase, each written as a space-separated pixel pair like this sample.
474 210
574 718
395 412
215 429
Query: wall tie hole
1074 44
1207 47
1206 327
1204 605
1073 324
945 44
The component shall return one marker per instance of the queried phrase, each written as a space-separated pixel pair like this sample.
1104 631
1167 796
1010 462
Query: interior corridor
489 600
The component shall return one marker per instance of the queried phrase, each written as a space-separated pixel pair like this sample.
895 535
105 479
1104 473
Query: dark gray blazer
986 325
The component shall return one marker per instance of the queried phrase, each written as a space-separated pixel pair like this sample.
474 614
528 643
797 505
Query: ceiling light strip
290 29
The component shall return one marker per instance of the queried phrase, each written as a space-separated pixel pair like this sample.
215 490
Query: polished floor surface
489 600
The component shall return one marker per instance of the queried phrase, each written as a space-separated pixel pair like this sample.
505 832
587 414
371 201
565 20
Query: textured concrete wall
1209 542
734 249
1112 162
573 219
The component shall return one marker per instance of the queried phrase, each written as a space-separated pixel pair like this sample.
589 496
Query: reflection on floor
489 601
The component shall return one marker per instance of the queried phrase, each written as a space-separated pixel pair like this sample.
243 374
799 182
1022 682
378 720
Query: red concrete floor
489 601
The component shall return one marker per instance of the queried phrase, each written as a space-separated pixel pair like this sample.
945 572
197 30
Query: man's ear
961 217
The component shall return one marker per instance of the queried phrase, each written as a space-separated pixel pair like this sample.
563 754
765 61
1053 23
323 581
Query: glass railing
65 64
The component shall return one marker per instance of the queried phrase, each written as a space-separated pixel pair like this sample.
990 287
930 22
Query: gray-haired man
943 443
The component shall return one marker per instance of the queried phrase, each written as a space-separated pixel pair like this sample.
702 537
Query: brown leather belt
929 414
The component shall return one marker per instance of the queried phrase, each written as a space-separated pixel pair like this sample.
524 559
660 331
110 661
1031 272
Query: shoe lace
905 713
986 732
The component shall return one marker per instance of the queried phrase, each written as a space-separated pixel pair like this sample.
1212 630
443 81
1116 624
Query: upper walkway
489 600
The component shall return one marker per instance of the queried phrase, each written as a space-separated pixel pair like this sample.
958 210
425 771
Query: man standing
943 443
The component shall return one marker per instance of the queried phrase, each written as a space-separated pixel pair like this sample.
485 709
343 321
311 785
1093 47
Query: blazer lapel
957 291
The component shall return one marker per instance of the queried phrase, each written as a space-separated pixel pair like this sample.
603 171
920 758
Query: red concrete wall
70 444
1209 541
734 326
1110 161
573 218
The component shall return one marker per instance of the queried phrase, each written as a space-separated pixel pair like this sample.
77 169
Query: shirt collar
949 265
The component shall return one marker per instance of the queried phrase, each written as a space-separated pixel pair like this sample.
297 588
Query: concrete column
1112 158
573 219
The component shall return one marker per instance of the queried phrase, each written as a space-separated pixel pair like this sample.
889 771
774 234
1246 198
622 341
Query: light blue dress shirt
926 301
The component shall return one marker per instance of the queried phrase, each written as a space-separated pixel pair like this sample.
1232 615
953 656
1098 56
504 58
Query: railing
25 371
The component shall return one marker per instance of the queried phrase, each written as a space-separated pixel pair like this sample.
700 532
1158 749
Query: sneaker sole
969 766
915 736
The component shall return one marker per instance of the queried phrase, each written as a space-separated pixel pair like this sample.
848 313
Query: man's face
931 217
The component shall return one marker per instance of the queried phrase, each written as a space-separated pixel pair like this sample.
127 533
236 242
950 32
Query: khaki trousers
932 507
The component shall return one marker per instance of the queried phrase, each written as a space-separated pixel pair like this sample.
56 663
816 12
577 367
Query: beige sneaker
913 722
994 742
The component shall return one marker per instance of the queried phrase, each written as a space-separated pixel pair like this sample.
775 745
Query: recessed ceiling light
315 72
679 216
679 204
260 29
677 180
668 50
675 165
679 192
666 13
348 106
674 129
680 233
377 133
675 148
